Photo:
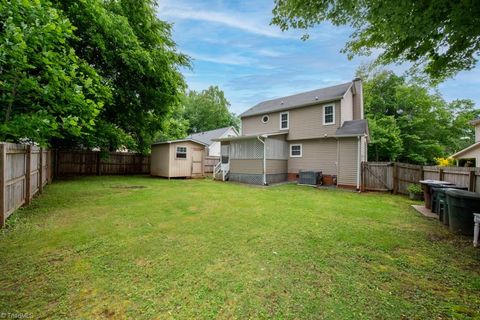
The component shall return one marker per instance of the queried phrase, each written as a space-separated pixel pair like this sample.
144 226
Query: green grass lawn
94 248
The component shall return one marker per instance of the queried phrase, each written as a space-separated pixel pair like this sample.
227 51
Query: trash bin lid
462 194
435 182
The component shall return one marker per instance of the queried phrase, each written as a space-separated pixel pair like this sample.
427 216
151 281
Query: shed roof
208 136
299 100
180 140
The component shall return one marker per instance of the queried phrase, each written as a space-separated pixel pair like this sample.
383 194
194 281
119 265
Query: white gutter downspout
264 161
358 163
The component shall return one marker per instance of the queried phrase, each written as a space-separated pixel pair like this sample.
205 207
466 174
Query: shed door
197 162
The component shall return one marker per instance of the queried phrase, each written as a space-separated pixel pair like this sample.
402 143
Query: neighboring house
472 152
320 130
208 136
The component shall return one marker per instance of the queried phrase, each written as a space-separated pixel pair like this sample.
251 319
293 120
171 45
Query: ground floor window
181 153
295 150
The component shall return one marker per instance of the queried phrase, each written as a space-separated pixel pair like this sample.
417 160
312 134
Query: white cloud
230 59
233 20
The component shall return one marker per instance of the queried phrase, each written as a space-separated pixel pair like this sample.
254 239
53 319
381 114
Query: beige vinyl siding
254 124
159 162
304 123
347 161
277 166
247 166
346 106
317 155
307 122
477 132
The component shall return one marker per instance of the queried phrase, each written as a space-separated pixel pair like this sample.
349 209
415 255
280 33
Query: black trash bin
461 206
427 190
438 191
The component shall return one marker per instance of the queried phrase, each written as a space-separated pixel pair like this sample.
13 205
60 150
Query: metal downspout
264 161
358 162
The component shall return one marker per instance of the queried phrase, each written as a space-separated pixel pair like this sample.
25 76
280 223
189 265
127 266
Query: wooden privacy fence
210 162
73 163
395 177
24 171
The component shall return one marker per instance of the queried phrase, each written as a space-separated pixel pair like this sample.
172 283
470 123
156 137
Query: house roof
459 153
353 128
180 140
299 100
208 136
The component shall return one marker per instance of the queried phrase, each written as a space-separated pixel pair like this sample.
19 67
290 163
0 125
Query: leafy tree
174 126
208 110
133 52
410 123
385 139
440 36
46 90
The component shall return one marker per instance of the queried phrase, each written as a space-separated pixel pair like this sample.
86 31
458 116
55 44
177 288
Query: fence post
55 171
422 173
395 178
440 174
28 175
49 166
40 172
471 180
3 177
99 166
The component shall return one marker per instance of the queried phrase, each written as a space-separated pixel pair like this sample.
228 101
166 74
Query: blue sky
233 46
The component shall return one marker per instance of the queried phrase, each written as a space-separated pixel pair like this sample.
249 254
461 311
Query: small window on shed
181 153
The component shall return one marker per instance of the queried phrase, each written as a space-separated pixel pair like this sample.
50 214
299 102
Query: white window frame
296 155
268 118
324 115
176 152
288 120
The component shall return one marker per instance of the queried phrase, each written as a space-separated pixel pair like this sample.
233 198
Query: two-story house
320 130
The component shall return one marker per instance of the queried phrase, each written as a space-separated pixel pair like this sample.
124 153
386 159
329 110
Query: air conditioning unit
311 178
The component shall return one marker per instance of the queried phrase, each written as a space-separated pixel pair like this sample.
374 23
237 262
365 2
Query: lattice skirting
257 178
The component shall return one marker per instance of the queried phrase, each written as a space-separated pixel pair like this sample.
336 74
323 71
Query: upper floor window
265 119
181 153
284 120
329 114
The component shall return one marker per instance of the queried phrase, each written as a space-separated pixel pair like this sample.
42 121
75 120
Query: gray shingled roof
353 128
207 136
299 100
